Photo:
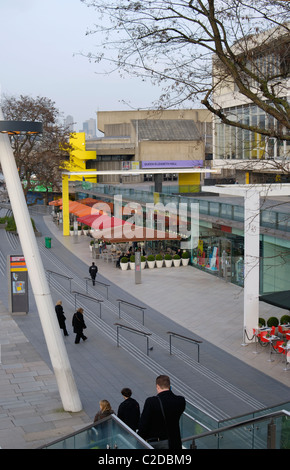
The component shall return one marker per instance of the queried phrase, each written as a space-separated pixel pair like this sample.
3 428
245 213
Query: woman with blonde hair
105 410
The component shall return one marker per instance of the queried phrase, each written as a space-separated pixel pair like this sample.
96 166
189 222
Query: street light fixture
54 340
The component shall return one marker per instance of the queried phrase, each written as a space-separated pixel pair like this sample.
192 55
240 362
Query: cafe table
271 339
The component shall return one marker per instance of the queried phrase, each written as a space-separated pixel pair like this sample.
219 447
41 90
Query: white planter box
124 266
159 263
132 266
185 261
176 262
143 264
151 264
168 263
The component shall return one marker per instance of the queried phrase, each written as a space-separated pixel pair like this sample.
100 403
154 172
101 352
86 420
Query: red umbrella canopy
100 222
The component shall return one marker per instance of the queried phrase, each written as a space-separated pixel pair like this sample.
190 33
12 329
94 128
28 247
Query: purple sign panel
172 164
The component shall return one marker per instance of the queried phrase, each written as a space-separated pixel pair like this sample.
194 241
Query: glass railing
269 427
271 431
109 433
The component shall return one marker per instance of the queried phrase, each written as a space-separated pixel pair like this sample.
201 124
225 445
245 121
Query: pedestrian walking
93 272
159 422
105 410
61 317
129 410
79 325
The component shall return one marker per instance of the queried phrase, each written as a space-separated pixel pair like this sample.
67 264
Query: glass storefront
222 256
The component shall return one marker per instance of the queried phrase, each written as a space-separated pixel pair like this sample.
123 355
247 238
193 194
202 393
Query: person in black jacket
61 317
129 410
79 325
153 426
93 272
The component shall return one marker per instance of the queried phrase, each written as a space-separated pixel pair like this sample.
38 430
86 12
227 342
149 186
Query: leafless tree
38 157
177 43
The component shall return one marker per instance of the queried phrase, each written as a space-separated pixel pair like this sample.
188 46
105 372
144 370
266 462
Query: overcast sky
40 41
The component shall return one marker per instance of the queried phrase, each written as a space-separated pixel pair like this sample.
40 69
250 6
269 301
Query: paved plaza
229 379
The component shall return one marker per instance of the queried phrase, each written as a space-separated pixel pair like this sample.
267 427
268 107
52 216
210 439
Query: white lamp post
54 340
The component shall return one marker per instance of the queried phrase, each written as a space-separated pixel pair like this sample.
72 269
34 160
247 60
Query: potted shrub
159 261
285 319
262 322
185 258
132 262
71 230
151 261
176 260
124 263
79 229
272 321
143 262
168 260
92 242
85 229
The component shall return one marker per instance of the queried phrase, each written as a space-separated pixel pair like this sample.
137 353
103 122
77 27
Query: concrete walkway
229 380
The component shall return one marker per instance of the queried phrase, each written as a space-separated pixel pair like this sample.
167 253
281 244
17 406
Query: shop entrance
225 265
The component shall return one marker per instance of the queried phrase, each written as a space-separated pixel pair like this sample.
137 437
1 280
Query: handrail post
271 435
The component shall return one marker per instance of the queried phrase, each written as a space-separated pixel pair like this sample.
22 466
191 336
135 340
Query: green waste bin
48 242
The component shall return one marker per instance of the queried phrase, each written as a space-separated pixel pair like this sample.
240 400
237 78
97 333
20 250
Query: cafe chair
262 338
273 330
278 348
282 331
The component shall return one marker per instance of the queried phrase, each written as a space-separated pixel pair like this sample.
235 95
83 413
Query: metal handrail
271 436
61 275
98 282
184 338
88 297
133 305
138 332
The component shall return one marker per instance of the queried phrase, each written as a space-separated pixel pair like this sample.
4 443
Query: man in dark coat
79 325
93 272
152 424
61 317
129 410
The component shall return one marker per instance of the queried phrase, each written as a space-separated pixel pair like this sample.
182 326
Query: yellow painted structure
187 180
78 157
77 162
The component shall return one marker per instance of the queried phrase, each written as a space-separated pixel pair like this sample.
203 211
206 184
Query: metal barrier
87 279
88 297
61 275
133 305
133 330
185 338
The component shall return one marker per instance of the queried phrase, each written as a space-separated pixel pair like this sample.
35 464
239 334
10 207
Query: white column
54 340
251 262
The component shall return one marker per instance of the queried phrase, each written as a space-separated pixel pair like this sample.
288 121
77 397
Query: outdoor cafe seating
265 336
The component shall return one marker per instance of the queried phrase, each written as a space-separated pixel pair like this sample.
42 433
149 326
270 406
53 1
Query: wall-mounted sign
172 164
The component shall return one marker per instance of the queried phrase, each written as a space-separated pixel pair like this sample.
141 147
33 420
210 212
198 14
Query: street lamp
54 340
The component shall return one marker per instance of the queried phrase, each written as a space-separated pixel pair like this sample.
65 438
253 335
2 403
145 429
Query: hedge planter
168 261
151 261
124 263
176 260
185 258
132 262
143 262
159 261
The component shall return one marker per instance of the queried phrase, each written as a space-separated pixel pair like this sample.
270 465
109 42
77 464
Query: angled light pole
54 340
